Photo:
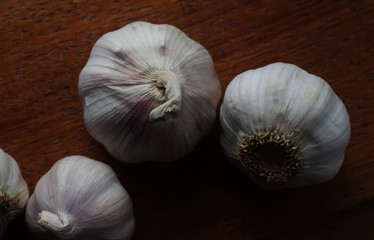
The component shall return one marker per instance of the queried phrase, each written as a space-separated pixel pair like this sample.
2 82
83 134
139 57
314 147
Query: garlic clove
14 191
146 86
284 127
80 198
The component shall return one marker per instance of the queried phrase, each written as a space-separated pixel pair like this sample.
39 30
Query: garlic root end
271 156
5 202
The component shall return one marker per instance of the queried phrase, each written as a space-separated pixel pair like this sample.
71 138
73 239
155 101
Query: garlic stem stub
149 92
80 198
14 191
284 127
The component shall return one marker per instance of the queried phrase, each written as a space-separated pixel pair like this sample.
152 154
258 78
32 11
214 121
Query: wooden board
45 44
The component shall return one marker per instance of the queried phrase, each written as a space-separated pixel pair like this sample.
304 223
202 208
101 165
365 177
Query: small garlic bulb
14 191
284 127
146 87
80 198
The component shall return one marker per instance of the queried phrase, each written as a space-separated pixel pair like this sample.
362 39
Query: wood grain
44 45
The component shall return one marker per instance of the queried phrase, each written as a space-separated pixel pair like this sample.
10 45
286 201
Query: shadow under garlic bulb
149 92
14 191
284 127
80 198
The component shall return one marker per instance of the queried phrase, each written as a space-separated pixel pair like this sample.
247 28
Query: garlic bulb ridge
80 198
284 127
14 191
146 86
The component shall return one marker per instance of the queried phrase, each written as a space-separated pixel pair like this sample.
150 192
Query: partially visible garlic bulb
80 198
149 92
284 127
14 191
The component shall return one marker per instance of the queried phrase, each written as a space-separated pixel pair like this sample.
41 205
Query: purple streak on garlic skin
137 115
163 50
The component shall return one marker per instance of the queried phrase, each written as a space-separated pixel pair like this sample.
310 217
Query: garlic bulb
284 127
14 191
146 87
80 198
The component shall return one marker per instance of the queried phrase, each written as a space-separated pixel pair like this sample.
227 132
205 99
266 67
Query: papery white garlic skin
149 92
80 198
281 104
14 191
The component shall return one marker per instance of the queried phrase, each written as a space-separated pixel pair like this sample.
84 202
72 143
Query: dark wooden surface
44 45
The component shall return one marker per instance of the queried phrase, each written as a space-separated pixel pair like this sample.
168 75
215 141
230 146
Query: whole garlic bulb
146 87
284 127
80 198
14 191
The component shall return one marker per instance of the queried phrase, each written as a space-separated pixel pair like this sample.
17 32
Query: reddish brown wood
44 45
